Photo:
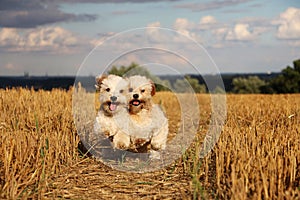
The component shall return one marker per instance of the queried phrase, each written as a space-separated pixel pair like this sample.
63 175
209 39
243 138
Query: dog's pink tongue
112 107
136 103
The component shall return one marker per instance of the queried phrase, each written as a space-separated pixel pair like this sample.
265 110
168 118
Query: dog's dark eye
130 89
142 91
107 89
121 91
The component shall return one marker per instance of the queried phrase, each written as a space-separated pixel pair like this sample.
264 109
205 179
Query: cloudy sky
57 37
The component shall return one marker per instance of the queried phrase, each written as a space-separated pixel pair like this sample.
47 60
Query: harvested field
256 157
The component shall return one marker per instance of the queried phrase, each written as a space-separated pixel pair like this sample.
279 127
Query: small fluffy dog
147 122
113 112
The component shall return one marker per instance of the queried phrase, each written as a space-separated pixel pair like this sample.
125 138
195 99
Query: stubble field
256 157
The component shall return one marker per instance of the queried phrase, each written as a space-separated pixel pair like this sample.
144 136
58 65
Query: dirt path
91 179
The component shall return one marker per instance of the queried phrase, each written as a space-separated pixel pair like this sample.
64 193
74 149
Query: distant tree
219 90
198 88
135 69
185 85
289 79
180 86
120 71
267 88
252 84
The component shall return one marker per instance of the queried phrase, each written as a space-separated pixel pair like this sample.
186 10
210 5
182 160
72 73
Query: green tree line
288 81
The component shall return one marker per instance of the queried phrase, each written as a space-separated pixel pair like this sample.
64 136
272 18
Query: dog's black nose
136 96
113 98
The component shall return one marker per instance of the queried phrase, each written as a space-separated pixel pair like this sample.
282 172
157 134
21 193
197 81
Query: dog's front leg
121 141
159 140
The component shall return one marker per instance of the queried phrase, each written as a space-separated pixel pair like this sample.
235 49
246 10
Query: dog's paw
120 145
121 141
158 146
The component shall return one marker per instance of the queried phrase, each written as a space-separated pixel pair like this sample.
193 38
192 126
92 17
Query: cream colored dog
113 113
147 122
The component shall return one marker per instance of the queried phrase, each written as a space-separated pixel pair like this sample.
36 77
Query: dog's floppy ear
153 89
99 80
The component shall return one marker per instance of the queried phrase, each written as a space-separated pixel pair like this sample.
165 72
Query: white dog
147 122
113 113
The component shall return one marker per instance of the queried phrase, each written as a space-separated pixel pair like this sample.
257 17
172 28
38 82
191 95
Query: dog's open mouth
112 106
135 102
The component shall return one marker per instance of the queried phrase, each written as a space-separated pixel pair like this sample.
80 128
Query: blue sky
55 37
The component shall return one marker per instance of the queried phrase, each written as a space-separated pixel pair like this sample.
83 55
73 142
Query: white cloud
288 24
212 33
186 28
241 32
207 20
9 38
152 30
219 36
154 34
154 24
183 24
221 32
50 39
247 29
